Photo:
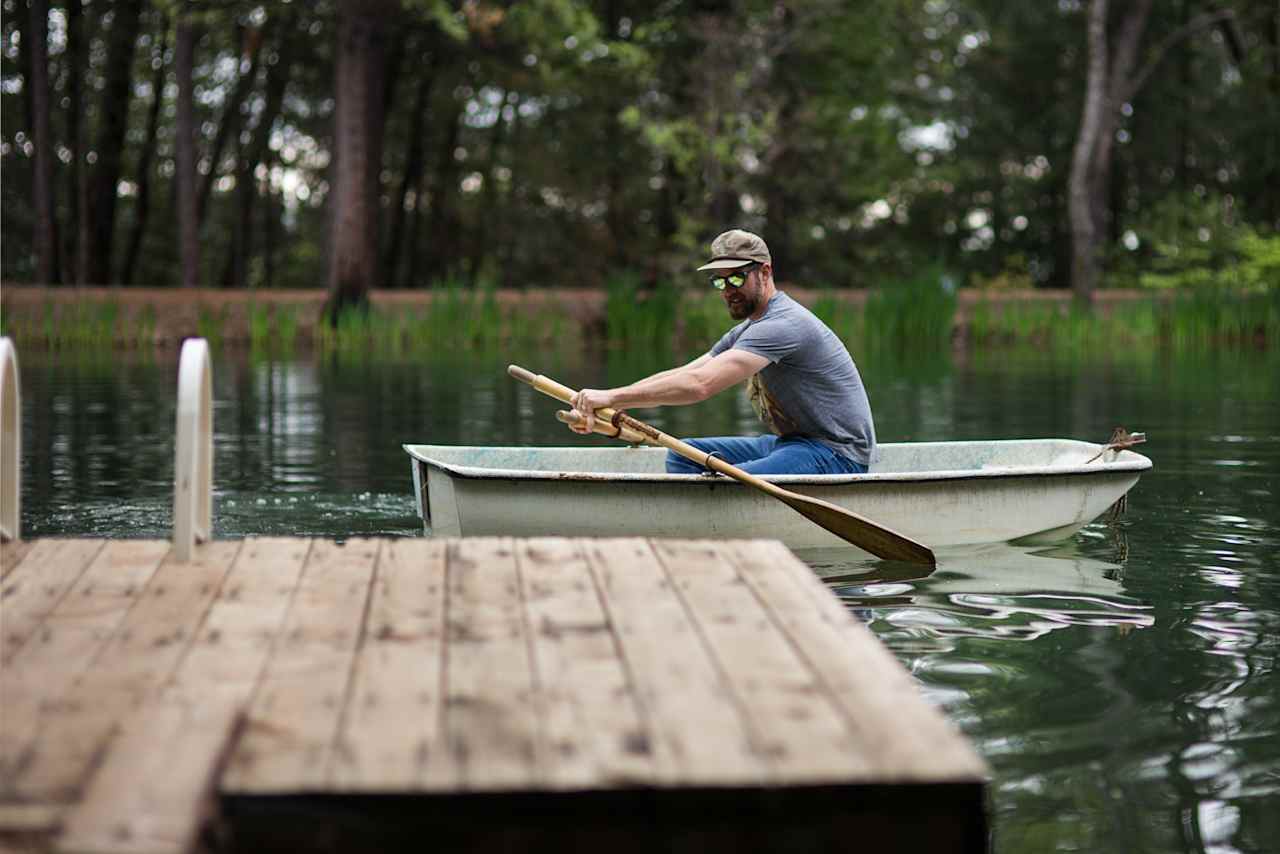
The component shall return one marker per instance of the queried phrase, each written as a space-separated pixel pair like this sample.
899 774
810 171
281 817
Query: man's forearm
669 388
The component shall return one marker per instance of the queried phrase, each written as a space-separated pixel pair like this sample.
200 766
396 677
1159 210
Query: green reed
260 326
1206 317
913 316
456 319
1195 319
211 323
703 320
142 333
919 313
273 329
87 325
637 316
847 319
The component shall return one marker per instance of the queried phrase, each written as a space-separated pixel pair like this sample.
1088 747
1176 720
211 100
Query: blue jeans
767 455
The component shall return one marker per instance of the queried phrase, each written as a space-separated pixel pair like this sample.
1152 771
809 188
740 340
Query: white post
193 460
10 443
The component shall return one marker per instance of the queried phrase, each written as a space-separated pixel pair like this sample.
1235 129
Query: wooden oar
845 524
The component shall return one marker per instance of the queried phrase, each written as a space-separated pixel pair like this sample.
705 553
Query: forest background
577 143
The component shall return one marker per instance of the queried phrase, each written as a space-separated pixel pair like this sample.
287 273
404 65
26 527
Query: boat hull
1029 490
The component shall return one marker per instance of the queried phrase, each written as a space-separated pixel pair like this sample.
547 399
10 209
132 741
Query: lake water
1122 684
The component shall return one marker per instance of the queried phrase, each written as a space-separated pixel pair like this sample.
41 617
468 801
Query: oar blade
867 535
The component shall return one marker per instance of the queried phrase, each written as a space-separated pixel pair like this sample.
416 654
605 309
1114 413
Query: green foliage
1194 242
1259 265
858 138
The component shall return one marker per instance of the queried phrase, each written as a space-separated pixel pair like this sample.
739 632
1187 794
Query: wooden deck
292 694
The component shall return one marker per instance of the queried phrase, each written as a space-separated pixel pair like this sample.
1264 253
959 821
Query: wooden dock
542 694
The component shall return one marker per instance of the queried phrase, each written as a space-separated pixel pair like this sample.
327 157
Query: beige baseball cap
735 248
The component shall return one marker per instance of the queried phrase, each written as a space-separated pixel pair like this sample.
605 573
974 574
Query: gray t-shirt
810 386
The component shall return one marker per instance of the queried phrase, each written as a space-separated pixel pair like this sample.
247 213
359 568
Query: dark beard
744 309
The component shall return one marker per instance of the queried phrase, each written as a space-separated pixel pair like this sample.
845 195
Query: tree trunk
488 197
143 206
358 128
270 224
229 124
410 278
256 153
1273 185
778 212
112 123
185 153
233 266
74 239
442 249
1120 88
46 229
1084 256
1112 82
412 174
508 236
391 70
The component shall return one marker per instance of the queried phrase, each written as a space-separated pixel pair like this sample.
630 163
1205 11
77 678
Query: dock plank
148 646
899 736
793 720
295 713
699 735
392 723
154 795
70 639
490 723
155 785
593 734
232 647
29 595
630 693
11 554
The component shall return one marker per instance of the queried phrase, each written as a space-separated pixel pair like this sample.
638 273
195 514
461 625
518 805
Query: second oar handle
606 428
550 387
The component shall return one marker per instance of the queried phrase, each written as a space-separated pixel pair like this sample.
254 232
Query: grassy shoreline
916 315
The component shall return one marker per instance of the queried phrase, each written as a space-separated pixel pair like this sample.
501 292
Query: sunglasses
737 278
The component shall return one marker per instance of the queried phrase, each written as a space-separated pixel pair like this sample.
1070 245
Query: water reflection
997 591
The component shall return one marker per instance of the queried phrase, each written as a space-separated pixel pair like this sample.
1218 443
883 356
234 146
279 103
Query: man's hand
585 403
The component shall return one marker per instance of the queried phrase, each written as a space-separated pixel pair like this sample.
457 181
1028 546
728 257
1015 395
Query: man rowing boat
801 379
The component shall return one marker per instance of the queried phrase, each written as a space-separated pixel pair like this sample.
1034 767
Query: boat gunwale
1127 461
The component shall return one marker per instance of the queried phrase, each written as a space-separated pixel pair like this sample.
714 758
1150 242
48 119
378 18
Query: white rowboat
940 493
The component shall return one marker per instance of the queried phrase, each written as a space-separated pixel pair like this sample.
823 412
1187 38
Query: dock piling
10 443
193 458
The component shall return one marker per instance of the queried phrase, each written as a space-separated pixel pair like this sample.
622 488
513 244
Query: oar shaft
689 452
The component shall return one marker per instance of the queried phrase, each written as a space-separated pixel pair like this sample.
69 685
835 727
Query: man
802 381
